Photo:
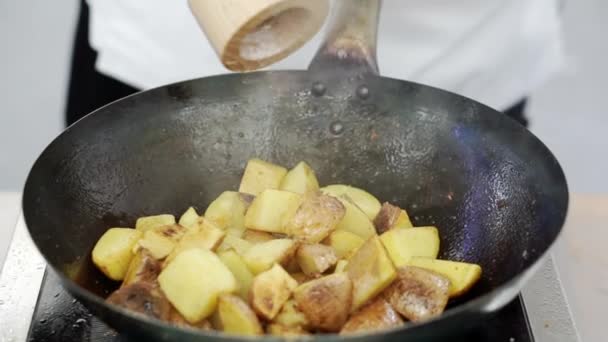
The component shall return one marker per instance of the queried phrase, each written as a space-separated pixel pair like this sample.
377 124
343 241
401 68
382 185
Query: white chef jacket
494 51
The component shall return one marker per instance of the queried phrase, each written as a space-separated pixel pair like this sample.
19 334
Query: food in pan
285 257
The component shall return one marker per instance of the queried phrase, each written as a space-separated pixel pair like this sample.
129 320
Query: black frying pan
495 191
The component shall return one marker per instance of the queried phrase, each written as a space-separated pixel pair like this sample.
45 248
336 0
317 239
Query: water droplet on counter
336 127
318 89
73 301
363 92
56 295
241 135
42 321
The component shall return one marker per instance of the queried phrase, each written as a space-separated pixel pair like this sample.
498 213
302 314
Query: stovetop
35 307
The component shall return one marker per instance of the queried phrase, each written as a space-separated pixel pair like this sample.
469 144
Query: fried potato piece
208 237
361 198
271 210
315 218
158 245
142 297
247 199
237 244
189 220
150 222
239 269
344 243
173 231
112 253
236 317
300 277
290 316
371 271
262 256
462 275
255 236
403 244
326 302
418 294
176 319
315 259
341 266
143 268
227 211
260 175
391 217
355 220
377 315
270 290
193 281
301 179
283 331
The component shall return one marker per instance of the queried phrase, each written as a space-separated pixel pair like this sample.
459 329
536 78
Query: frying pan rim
469 305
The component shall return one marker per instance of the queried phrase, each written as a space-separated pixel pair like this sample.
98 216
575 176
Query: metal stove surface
59 317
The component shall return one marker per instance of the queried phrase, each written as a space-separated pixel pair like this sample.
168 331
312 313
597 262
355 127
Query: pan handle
350 44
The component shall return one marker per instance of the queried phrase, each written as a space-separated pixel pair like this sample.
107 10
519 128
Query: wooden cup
251 34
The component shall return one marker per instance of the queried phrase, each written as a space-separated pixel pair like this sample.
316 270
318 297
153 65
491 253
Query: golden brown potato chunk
326 301
176 319
272 210
291 316
418 294
371 271
270 290
315 218
158 245
403 244
361 198
344 243
300 277
143 297
236 317
150 222
239 269
462 275
113 251
193 281
377 315
301 179
247 199
263 255
143 268
315 259
260 175
256 236
189 220
355 220
281 330
173 231
227 211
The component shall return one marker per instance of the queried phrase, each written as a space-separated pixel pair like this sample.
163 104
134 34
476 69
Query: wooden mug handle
251 34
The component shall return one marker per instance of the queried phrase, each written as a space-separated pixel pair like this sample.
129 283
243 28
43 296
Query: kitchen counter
579 255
